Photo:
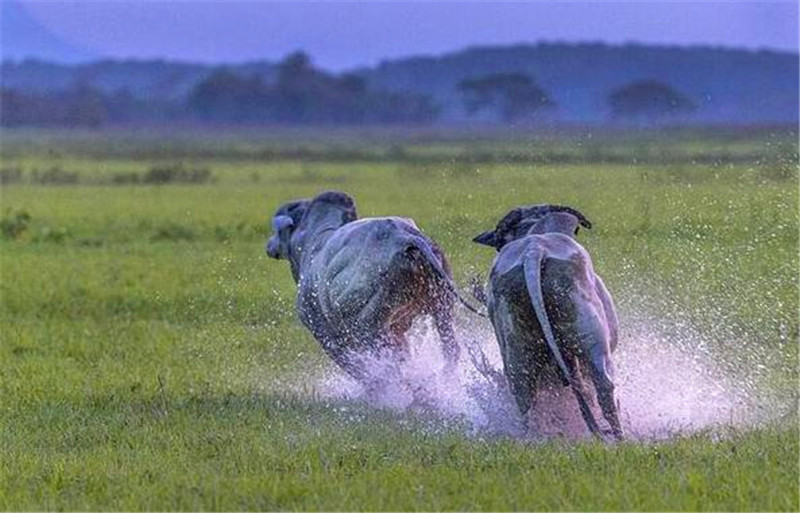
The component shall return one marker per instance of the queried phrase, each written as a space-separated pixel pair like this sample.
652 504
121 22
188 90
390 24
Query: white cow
361 283
550 311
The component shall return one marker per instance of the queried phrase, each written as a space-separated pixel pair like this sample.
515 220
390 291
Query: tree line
303 94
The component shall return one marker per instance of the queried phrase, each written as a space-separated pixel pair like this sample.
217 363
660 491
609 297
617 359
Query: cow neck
317 227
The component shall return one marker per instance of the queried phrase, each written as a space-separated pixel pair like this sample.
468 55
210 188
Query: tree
225 96
295 69
512 95
84 105
301 90
648 99
81 106
15 110
302 94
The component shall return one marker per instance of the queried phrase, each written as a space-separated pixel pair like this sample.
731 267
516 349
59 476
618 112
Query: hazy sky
347 34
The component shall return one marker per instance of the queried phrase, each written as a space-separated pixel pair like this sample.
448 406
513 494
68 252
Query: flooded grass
152 357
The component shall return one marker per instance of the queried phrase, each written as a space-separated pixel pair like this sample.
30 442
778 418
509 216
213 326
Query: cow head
284 223
521 220
296 221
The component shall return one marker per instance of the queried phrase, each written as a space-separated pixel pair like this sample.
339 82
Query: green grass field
148 343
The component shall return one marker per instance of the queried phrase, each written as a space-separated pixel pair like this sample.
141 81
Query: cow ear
350 214
281 222
487 239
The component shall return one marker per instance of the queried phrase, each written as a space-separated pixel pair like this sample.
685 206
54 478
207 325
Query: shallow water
667 384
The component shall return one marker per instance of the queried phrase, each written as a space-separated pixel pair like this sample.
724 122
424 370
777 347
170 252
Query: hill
725 85
144 79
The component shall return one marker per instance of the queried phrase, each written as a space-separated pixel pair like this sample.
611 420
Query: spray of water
668 383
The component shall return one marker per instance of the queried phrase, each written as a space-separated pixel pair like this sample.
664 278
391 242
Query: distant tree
84 105
122 105
225 96
302 94
14 108
399 108
353 83
512 95
295 69
648 99
80 106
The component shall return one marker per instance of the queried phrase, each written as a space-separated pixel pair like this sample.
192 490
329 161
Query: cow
552 314
362 282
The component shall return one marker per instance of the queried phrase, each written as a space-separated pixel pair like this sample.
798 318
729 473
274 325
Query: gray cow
361 283
548 306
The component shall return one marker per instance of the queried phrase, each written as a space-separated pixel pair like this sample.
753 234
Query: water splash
668 383
463 395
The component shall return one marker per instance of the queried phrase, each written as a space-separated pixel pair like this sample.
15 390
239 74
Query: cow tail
430 257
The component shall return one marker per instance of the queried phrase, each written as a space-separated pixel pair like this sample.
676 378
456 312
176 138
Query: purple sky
342 35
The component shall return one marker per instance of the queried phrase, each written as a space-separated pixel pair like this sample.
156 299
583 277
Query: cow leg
579 390
519 366
443 318
532 425
401 352
396 342
599 368
360 363
351 364
390 350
